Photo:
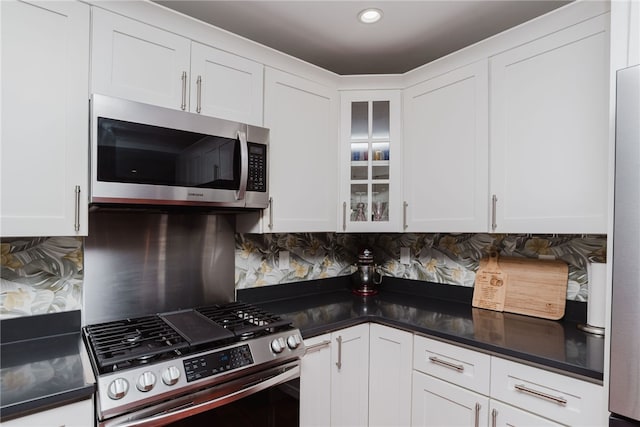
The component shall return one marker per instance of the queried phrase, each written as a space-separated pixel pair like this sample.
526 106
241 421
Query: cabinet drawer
466 368
563 399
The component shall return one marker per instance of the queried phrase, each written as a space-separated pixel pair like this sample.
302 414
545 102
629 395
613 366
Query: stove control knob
277 345
293 342
146 381
118 388
171 375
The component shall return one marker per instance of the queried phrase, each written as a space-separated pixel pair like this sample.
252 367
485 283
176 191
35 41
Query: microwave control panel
257 180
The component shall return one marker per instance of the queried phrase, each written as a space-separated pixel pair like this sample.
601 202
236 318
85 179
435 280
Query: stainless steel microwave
147 155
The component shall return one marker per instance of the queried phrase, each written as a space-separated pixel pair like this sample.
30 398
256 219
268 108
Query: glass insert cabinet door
371 142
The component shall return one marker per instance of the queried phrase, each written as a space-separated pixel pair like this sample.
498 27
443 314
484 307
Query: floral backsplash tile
45 275
441 258
40 275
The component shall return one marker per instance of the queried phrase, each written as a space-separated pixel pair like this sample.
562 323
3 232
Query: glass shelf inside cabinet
369 163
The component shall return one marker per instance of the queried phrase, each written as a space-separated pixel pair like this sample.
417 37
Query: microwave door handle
244 165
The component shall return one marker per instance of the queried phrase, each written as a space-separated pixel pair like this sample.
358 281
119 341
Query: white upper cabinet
549 133
225 85
371 153
303 154
446 152
45 110
136 61
143 63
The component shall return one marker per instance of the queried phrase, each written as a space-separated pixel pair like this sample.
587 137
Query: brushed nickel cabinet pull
437 361
183 106
494 417
270 212
477 418
339 362
344 216
404 215
524 389
317 347
494 202
76 221
199 94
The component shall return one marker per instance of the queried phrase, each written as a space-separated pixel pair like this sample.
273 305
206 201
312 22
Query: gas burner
132 337
125 343
146 358
246 335
244 320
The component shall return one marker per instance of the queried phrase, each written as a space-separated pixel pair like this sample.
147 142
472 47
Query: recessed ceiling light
369 16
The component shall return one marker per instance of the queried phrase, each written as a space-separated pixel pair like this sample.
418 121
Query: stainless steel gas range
169 368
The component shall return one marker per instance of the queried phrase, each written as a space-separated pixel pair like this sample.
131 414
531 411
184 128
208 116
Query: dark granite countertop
42 364
443 312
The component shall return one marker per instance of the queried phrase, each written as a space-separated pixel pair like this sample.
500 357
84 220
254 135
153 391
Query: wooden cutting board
532 287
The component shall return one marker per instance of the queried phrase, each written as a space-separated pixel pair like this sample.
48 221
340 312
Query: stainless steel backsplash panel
140 262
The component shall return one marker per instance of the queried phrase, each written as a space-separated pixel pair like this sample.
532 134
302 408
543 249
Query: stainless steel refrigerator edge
145 262
624 394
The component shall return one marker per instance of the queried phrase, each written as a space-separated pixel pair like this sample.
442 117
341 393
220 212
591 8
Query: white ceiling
327 33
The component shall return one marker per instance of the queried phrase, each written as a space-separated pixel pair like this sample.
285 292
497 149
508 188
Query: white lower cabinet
456 386
390 356
357 376
450 385
438 403
315 382
334 379
350 376
374 375
563 399
78 414
502 415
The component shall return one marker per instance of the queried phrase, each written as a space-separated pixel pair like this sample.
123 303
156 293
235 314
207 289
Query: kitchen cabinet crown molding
371 82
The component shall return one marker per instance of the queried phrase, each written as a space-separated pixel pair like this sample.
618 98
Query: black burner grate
127 340
128 343
243 319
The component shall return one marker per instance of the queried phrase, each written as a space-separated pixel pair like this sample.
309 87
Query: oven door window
143 154
274 407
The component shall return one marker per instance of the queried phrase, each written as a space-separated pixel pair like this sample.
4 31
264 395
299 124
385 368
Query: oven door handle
184 412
